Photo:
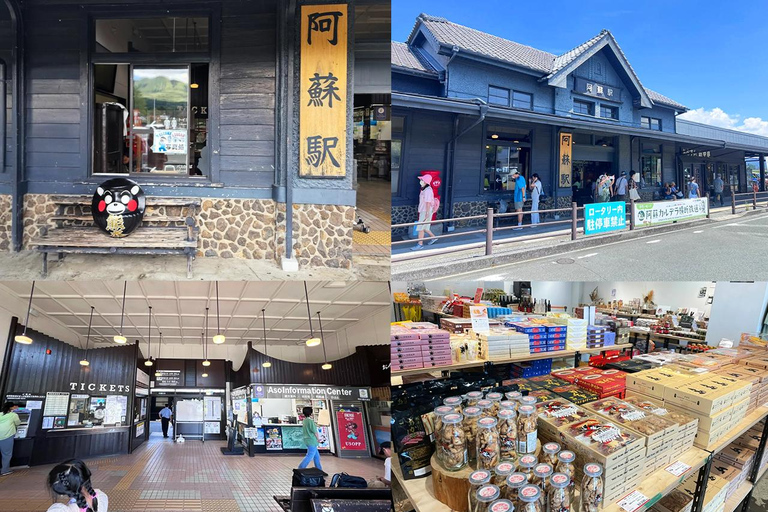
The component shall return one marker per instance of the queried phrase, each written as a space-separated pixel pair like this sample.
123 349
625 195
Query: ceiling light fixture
149 362
494 136
120 338
84 361
265 364
326 364
159 348
206 362
205 373
312 341
219 338
23 338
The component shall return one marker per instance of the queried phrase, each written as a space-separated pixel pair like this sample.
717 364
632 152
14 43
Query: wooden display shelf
748 422
420 492
661 482
519 359
732 503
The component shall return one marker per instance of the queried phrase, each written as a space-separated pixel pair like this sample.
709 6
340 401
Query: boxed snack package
575 394
655 428
601 441
557 414
675 501
714 499
699 396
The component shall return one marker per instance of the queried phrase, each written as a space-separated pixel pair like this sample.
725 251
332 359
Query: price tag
633 501
678 468
479 316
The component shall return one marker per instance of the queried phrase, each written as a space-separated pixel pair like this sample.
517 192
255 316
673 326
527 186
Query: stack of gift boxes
502 343
758 366
733 464
596 335
422 347
714 498
530 369
543 337
601 382
462 325
576 332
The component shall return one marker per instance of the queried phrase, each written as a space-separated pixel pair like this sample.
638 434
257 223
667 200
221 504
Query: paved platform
165 476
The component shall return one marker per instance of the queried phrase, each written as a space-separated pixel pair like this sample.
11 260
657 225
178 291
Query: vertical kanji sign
323 84
565 163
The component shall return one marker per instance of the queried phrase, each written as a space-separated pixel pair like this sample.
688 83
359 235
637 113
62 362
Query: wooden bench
73 231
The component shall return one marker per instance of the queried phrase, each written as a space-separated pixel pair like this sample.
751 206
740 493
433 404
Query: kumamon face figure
118 206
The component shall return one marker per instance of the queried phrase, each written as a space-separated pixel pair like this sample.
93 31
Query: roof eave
446 49
414 72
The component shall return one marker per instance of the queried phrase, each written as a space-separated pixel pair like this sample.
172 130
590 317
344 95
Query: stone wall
229 228
5 222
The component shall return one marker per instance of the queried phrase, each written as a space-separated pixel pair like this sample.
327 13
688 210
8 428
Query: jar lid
513 395
472 411
452 418
542 470
474 395
528 461
528 400
593 469
517 480
501 506
484 404
480 477
494 396
488 493
529 493
453 401
551 448
526 409
443 410
504 468
559 480
566 456
506 414
487 422
508 404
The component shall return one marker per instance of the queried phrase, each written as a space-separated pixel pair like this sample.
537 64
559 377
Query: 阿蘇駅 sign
323 85
599 90
99 388
604 217
650 214
306 391
565 160
167 378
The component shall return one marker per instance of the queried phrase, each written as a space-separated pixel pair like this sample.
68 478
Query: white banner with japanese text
660 212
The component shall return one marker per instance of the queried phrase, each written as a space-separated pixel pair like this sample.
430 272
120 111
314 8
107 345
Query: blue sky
704 54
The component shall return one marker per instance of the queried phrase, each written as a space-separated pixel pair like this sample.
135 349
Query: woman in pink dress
427 206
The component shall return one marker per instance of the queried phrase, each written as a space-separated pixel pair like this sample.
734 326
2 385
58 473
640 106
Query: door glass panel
397 146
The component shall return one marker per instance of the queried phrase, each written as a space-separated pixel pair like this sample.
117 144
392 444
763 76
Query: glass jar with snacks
472 398
541 474
452 443
525 464
558 497
528 400
550 451
477 479
495 399
486 406
592 487
514 396
566 464
439 412
508 404
455 402
501 506
507 434
500 474
527 429
515 482
486 495
471 415
487 443
529 499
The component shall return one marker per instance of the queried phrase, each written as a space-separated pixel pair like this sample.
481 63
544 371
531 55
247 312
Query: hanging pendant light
84 361
265 364
205 359
326 364
120 338
149 362
23 338
219 338
159 348
312 341
206 362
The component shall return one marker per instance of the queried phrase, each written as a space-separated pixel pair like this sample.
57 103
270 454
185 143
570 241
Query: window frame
530 102
659 168
508 91
590 107
3 113
87 90
649 124
610 108
398 137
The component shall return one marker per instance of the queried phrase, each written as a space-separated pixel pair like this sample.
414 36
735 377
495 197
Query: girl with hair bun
72 478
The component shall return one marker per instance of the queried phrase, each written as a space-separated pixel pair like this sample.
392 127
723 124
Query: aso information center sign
660 212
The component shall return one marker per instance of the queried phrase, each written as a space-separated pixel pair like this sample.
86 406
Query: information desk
287 438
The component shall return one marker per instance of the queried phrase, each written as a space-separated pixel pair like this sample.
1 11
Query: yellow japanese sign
323 84
566 148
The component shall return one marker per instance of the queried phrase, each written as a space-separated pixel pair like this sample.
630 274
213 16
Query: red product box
602 385
566 375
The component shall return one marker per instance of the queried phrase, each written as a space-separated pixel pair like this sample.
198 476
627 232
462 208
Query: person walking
165 418
719 185
427 206
519 198
535 195
72 479
693 188
622 187
311 439
604 189
9 422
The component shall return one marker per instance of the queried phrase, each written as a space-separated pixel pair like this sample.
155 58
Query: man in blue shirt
165 418
519 196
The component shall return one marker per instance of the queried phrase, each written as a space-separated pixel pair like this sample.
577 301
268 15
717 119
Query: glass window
500 161
650 123
651 170
583 107
607 112
522 100
498 96
152 35
397 148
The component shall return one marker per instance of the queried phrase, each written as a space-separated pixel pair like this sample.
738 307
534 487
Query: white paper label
606 434
633 415
633 501
562 412
527 443
678 468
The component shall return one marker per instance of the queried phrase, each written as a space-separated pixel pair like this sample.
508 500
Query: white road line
654 241
587 255
699 231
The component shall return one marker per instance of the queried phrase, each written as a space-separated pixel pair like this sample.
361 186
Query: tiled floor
374 208
163 476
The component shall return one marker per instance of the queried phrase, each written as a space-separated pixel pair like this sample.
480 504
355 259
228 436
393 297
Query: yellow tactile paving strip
137 468
372 238
169 505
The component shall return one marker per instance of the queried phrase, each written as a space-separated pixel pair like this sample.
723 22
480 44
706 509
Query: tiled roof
663 100
469 39
563 60
403 57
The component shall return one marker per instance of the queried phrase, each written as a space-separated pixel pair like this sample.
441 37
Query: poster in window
323 86
116 409
169 142
325 440
351 430
273 438
565 160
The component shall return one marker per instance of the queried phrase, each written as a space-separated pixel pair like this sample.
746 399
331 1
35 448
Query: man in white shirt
386 449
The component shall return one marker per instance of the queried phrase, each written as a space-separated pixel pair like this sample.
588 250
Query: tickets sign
661 212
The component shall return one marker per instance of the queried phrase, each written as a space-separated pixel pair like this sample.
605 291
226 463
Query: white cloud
718 117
